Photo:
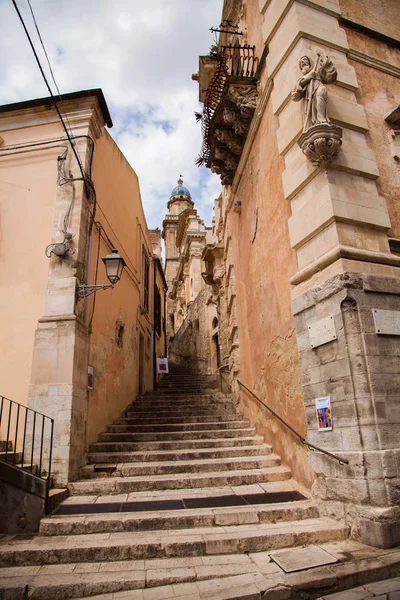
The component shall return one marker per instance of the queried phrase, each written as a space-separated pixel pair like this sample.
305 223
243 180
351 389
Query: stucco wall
263 263
117 368
26 216
388 10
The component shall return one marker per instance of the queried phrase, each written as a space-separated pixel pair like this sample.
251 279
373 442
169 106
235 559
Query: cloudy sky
142 54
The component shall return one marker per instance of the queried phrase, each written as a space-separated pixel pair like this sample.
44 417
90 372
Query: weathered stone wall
360 372
191 346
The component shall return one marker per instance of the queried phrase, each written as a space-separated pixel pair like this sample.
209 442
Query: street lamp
114 264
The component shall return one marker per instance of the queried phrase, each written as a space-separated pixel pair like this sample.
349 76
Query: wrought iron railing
341 460
26 440
231 61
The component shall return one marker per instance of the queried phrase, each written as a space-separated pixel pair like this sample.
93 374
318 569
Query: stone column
60 356
345 274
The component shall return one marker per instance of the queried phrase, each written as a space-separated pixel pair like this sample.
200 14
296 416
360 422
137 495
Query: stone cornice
373 63
341 251
83 113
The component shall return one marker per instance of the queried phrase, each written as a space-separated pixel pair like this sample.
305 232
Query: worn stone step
121 485
171 420
192 466
104 547
173 413
177 444
206 453
180 435
178 519
173 427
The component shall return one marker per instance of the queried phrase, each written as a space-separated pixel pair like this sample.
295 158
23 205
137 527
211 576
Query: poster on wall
324 414
162 365
90 378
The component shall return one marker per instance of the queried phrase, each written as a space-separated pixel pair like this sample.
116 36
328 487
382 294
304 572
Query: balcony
229 104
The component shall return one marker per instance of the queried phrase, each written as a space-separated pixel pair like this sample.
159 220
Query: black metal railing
341 460
26 440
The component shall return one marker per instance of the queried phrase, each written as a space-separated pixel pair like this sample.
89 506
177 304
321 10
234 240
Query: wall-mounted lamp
114 264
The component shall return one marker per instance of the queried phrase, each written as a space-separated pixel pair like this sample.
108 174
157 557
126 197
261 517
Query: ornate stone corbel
234 119
227 137
320 140
245 98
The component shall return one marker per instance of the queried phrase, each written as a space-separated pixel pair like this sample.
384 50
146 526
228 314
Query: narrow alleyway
181 498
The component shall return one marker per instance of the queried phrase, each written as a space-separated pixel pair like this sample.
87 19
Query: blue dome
180 190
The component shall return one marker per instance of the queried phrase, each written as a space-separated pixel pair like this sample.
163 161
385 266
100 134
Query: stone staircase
179 489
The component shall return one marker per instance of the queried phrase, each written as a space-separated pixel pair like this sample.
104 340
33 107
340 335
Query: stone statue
311 87
320 140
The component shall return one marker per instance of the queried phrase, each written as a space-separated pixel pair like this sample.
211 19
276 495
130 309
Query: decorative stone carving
321 143
320 140
234 119
226 136
245 98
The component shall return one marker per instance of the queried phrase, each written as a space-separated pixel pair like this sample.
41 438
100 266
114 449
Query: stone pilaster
345 271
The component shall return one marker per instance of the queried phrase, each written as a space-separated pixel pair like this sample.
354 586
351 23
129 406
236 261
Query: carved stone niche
230 125
213 257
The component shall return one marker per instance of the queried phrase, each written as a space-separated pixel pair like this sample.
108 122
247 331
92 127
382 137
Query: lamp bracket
83 291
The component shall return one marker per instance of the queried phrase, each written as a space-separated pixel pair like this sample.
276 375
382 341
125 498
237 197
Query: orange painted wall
121 214
263 264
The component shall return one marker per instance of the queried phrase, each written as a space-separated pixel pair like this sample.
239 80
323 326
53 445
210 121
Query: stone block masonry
360 372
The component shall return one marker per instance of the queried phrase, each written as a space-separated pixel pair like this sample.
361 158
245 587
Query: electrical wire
52 96
89 187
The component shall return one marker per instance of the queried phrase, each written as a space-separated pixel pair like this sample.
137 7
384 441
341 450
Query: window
157 310
146 277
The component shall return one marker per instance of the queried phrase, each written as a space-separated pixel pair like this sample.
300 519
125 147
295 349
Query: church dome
180 190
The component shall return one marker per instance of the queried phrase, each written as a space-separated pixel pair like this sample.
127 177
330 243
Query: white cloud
142 55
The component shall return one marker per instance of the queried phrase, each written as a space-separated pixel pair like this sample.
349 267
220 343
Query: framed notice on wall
162 365
324 414
90 378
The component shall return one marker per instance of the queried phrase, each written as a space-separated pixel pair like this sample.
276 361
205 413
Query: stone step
206 453
192 466
180 435
172 427
172 420
173 413
177 519
177 444
104 547
121 485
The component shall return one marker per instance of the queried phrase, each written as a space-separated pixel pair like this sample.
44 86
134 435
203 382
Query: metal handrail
342 461
34 443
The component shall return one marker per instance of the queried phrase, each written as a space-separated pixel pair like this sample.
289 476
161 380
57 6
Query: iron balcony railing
26 440
231 61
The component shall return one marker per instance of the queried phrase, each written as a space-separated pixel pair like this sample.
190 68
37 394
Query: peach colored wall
117 369
27 198
263 263
365 12
379 93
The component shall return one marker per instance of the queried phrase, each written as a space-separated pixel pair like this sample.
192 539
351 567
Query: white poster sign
162 365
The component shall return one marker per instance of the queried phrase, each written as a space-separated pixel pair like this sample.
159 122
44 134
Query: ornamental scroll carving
320 140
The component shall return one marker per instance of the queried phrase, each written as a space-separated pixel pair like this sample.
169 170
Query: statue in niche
320 140
311 87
